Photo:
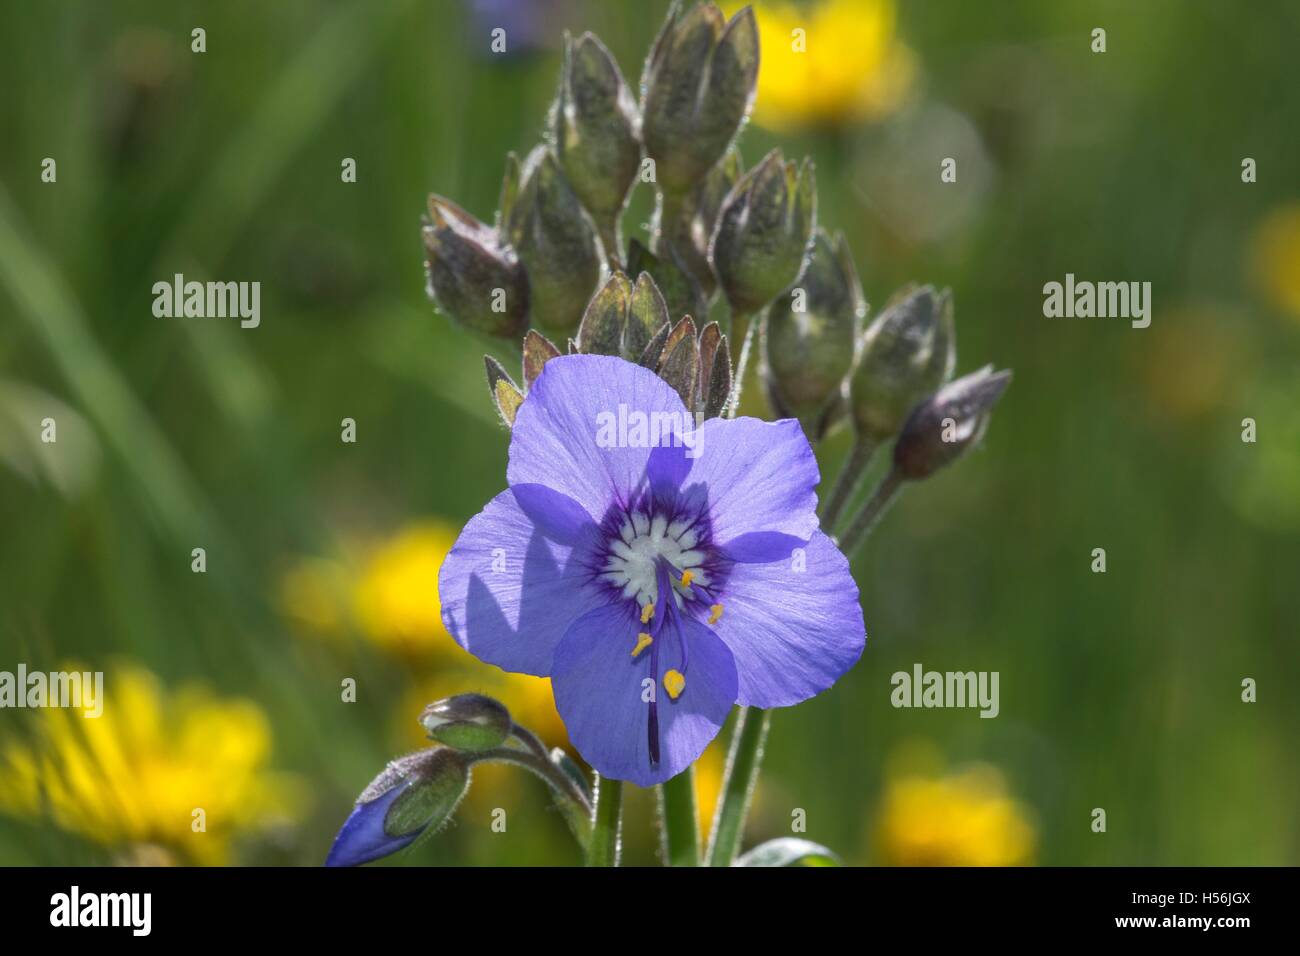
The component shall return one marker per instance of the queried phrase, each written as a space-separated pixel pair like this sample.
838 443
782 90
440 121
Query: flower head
829 63
378 590
656 579
1274 258
135 775
963 817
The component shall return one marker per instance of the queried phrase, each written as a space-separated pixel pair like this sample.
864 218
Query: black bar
367 906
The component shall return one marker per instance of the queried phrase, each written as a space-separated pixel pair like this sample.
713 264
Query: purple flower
657 572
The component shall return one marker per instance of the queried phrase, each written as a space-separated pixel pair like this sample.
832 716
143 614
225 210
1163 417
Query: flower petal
511 585
599 690
794 625
561 433
755 478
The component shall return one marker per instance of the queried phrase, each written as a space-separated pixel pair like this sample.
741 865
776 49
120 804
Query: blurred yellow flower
313 593
387 592
1275 258
829 63
133 778
397 595
1193 362
708 782
960 818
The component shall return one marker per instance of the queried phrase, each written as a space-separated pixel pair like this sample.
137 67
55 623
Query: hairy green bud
698 83
546 225
435 781
593 127
906 353
472 276
763 233
810 335
470 722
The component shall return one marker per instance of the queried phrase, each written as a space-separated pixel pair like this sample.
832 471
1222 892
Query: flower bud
412 794
809 338
948 424
698 84
763 233
906 353
472 276
621 318
471 722
546 225
593 126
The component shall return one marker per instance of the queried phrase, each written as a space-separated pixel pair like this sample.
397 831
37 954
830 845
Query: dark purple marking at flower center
659 557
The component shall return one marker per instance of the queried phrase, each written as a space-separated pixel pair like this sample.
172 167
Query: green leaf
789 851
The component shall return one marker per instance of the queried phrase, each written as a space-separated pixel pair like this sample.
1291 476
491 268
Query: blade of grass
57 319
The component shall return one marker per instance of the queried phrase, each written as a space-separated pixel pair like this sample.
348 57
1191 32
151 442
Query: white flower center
634 557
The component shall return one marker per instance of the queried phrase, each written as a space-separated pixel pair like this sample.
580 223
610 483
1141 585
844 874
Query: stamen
687 576
643 640
674 683
647 612
715 613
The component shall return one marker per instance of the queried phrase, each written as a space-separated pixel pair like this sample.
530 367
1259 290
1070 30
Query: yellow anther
643 640
715 612
647 612
674 683
687 576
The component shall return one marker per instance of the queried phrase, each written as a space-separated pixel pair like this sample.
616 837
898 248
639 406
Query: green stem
742 773
680 827
669 214
567 793
742 362
612 243
850 477
542 767
530 740
606 823
866 519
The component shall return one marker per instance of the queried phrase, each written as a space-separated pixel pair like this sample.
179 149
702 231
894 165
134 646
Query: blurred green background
1119 690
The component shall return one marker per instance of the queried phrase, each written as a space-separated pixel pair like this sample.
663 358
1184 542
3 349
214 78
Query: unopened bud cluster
554 273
